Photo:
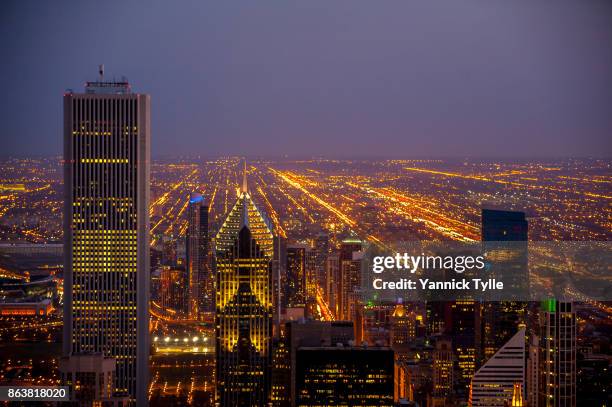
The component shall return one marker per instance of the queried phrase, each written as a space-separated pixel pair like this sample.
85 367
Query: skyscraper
350 276
295 288
310 333
332 272
532 375
495 382
106 229
321 251
244 317
442 369
200 280
403 326
172 290
344 376
504 236
462 328
557 351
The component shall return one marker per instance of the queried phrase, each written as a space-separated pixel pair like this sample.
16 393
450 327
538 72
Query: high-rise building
403 326
295 288
311 274
503 226
106 230
244 305
533 372
280 396
200 279
442 369
332 272
557 354
321 251
344 375
310 333
279 279
462 328
173 290
495 382
169 255
89 376
350 276
437 316
504 236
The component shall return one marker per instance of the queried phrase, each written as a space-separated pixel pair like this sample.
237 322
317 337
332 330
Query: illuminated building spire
245 187
517 395
245 213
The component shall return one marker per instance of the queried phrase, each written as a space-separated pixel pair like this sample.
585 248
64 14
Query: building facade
200 278
495 383
106 230
557 351
244 305
504 236
345 376
295 288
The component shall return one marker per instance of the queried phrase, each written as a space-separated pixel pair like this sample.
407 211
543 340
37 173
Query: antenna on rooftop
101 72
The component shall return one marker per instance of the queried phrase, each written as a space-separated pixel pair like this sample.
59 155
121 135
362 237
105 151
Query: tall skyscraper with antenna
106 230
244 304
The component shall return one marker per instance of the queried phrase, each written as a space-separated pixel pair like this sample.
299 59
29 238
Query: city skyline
306 204
430 200
386 80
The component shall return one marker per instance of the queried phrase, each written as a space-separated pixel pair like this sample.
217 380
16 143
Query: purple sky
337 78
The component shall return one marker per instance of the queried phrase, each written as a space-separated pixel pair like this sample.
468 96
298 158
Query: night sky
499 78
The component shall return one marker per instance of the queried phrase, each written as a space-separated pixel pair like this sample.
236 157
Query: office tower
344 375
402 330
310 333
557 367
332 271
350 276
533 372
437 316
442 369
173 290
169 255
503 226
106 230
495 382
311 274
403 325
280 395
244 317
279 280
504 236
295 288
321 251
462 328
201 281
90 378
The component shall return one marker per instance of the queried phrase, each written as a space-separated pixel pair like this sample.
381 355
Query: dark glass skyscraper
200 281
106 230
504 226
504 236
295 287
